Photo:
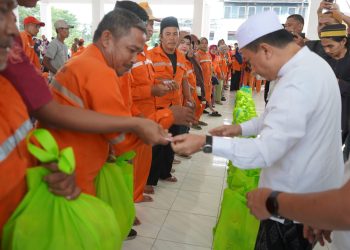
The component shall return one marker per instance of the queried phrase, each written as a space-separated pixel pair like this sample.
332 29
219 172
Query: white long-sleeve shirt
299 142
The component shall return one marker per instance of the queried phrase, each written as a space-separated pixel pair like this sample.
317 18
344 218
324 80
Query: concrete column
97 13
206 20
311 20
198 14
45 16
17 16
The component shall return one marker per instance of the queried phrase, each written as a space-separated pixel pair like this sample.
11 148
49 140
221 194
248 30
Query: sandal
170 179
148 189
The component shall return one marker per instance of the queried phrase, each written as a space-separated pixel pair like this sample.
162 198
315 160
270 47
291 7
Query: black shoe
205 112
132 234
223 98
215 114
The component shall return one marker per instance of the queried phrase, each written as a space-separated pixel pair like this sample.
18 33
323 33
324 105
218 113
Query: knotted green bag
44 221
114 185
236 228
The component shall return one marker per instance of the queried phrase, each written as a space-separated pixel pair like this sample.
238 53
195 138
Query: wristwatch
272 203
208 146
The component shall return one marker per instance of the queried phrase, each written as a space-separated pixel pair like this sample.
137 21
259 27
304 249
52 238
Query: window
251 10
228 12
231 35
266 8
277 10
292 10
211 35
241 12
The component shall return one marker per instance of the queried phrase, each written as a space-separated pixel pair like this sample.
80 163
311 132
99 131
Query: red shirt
27 80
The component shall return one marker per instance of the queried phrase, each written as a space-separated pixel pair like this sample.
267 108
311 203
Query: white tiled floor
183 214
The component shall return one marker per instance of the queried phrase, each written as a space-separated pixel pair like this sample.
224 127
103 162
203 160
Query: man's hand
187 144
325 5
256 202
160 90
150 132
60 183
182 115
227 130
298 39
317 235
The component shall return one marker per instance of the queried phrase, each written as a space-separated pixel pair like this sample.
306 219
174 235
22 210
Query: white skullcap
257 26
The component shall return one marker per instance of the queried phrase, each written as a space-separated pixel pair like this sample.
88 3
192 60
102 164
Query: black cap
333 30
134 8
169 21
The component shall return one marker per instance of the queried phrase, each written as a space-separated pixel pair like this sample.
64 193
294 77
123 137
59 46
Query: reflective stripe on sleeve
11 142
67 93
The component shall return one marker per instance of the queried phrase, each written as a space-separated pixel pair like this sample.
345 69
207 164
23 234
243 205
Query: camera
300 34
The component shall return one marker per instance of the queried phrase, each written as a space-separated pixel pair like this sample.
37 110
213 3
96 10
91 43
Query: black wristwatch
208 146
272 203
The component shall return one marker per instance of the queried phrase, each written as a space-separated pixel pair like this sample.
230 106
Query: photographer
295 24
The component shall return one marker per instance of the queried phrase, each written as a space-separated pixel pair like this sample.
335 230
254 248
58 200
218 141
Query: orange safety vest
28 48
88 82
164 71
207 68
193 85
14 157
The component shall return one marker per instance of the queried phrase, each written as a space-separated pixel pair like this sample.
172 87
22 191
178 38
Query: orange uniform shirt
164 70
143 79
79 51
235 64
28 47
193 86
14 157
88 82
207 68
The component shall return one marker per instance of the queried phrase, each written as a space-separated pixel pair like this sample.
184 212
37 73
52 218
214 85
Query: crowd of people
118 95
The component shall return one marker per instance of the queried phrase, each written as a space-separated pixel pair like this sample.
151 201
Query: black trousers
273 235
235 80
162 160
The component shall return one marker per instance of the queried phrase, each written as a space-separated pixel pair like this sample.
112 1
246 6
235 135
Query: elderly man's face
8 29
260 62
120 54
293 25
170 38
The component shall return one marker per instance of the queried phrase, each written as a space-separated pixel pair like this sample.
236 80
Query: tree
79 31
71 19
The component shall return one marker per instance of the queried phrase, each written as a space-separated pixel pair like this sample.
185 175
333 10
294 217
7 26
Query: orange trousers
199 107
142 166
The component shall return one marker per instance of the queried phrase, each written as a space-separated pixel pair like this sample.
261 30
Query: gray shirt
58 53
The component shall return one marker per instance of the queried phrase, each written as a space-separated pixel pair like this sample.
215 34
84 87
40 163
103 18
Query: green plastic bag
237 228
44 221
114 185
